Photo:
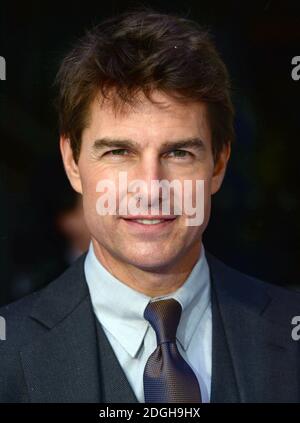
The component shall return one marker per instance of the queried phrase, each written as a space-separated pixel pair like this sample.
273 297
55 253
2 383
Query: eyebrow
193 142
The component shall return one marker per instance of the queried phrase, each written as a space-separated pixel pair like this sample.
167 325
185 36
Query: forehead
145 121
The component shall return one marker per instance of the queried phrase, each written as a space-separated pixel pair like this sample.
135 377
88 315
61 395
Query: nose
149 169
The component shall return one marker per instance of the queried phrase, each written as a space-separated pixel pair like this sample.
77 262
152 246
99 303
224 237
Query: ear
70 165
220 168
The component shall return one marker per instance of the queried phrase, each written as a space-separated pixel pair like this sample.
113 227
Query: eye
181 154
116 152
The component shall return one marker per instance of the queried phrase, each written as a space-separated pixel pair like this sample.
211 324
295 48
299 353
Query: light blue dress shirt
120 308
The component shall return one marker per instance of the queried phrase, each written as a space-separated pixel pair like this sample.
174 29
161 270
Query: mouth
149 224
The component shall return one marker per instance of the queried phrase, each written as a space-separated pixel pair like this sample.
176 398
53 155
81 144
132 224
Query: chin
149 262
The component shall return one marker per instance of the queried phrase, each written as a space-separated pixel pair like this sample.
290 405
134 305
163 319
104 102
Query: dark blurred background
255 219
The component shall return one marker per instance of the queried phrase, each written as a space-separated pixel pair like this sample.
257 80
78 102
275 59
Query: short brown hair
143 50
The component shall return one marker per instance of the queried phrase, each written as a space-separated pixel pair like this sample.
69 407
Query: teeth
149 221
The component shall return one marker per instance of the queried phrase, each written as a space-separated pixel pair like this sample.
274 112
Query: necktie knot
164 317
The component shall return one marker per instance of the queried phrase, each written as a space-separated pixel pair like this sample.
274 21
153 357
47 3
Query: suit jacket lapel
62 364
223 383
258 332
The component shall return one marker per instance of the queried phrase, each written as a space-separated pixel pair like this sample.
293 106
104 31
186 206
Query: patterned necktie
167 376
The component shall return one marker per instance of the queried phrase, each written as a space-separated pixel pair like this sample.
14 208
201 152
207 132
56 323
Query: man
147 315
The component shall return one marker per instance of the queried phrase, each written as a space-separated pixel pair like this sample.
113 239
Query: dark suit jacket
56 351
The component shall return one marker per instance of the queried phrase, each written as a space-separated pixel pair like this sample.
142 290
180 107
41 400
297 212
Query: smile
148 221
146 225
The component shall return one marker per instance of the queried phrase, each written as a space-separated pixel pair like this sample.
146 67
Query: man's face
150 155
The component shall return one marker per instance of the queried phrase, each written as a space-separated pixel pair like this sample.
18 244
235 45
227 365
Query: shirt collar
110 299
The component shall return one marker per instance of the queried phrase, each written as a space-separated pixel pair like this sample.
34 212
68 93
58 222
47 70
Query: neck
150 283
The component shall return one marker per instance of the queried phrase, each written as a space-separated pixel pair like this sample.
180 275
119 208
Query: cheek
97 222
205 199
89 180
206 177
90 196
